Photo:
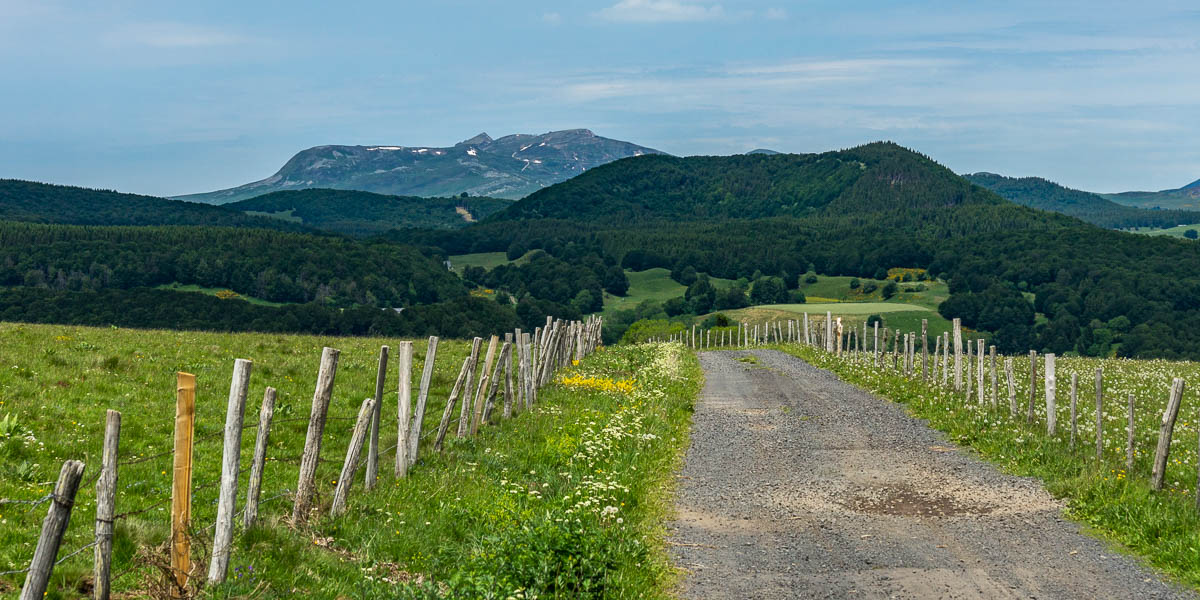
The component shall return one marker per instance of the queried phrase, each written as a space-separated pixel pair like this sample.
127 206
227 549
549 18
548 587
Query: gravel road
797 485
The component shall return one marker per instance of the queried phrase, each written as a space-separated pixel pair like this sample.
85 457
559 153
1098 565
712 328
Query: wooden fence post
495 382
181 482
414 432
510 397
346 479
1099 414
372 474
958 348
1164 435
106 491
254 487
979 368
1074 411
1130 441
1012 387
945 358
924 348
235 412
1032 385
485 380
403 407
53 528
322 394
460 384
1051 389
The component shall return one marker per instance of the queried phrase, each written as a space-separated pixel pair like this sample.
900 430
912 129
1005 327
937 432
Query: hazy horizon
170 99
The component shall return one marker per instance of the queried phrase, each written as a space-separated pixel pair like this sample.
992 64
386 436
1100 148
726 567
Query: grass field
487 260
652 284
1110 499
838 288
1176 231
214 291
567 498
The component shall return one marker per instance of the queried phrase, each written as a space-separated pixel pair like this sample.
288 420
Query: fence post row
536 359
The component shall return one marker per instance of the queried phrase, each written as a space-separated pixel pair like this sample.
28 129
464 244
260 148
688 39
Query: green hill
1039 193
1186 197
358 213
856 212
46 203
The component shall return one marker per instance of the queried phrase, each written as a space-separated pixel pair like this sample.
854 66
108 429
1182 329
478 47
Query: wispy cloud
661 11
172 35
552 18
775 14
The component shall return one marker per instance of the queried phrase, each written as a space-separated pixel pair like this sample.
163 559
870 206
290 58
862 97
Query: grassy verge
520 510
1117 504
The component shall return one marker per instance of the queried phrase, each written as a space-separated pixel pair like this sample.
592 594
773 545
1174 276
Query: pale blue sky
171 98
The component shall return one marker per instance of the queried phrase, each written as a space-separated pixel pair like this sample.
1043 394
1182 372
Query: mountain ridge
509 167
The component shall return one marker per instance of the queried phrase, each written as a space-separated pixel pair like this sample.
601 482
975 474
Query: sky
168 98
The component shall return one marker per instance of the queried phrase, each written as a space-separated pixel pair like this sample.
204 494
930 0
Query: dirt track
798 485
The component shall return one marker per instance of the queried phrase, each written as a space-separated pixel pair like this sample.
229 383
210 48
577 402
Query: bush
873 319
1191 234
855 283
890 289
812 278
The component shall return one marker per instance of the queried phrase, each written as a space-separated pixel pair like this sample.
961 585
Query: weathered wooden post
461 385
876 344
346 479
464 413
306 485
945 358
1051 389
106 492
979 368
254 488
958 348
1164 435
235 412
181 482
924 348
970 376
404 352
53 528
509 396
485 379
1074 411
937 350
1099 414
414 432
828 331
1032 385
1012 387
995 381
496 380
372 474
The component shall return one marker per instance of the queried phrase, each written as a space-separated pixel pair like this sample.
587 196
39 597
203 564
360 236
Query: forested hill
352 212
1039 193
855 212
46 203
855 187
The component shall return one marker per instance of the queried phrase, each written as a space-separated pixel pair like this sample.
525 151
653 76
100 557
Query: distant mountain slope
1186 197
509 167
1039 193
358 213
877 178
46 203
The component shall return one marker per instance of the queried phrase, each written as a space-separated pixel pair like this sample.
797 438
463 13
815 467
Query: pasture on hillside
566 497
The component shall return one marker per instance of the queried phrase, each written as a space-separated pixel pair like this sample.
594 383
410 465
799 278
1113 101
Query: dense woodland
903 210
1039 193
45 203
761 220
271 265
358 213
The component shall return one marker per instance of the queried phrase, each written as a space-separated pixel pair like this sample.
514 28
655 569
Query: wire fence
154 487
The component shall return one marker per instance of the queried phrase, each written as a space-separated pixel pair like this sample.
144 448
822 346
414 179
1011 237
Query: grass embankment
523 506
652 284
1118 504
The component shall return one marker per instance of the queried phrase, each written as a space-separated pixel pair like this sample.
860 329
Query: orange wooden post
181 485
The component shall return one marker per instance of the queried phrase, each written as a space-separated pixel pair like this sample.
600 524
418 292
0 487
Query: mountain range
1186 197
510 167
1097 209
